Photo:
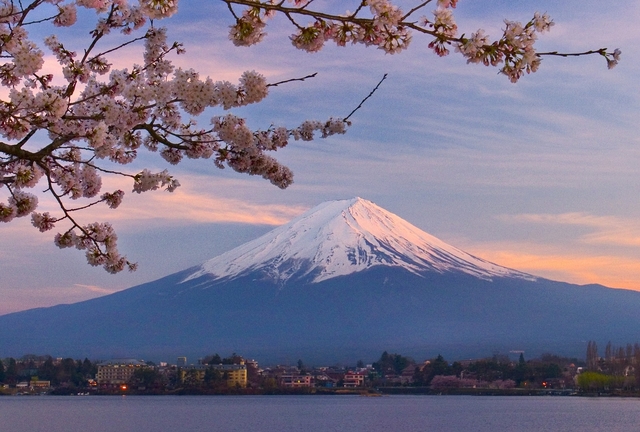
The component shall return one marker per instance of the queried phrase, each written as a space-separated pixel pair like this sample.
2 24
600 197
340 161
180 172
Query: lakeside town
614 373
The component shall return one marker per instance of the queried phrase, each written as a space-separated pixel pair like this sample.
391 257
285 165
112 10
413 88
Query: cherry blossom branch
416 9
122 45
297 11
304 78
346 119
99 240
389 29
612 57
157 107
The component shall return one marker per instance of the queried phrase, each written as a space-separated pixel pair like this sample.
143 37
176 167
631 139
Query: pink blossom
43 221
67 16
7 212
114 199
23 202
157 9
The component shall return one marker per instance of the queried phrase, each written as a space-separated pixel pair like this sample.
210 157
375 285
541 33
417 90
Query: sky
541 176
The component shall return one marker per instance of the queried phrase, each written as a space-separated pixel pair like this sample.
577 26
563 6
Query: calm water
317 413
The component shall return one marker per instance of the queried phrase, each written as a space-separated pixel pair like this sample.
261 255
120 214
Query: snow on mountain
338 238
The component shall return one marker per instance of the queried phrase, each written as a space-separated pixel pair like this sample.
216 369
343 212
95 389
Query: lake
316 413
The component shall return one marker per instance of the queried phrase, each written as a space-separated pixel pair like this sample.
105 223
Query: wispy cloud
605 230
193 202
95 289
190 205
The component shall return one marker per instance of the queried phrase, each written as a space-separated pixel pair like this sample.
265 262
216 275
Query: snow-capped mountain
346 280
338 238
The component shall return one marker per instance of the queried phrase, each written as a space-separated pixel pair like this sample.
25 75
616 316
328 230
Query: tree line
69 372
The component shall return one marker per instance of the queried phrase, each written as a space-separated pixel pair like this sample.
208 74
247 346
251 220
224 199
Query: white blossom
67 16
158 9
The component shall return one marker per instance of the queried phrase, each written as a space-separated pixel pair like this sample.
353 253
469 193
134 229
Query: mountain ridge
424 298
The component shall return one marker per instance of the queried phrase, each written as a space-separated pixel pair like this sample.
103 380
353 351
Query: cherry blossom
56 138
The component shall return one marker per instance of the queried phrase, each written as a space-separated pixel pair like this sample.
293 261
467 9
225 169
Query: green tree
48 371
213 378
2 375
490 370
595 381
391 364
68 373
520 373
214 360
191 379
147 378
437 366
233 359
87 369
11 373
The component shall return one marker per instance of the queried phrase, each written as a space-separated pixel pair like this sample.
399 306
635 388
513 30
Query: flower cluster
444 28
307 130
248 29
384 30
514 51
146 181
43 221
19 204
113 199
67 17
157 9
613 58
93 238
102 113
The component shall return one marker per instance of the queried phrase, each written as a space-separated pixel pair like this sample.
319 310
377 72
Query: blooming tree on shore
64 137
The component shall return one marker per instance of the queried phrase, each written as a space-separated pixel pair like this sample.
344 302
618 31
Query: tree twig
384 77
313 75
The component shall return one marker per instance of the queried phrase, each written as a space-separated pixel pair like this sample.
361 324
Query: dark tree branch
384 77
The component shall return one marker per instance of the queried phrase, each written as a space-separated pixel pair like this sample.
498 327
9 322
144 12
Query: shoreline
377 392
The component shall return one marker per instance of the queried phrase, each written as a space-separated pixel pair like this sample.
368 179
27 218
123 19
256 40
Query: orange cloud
95 289
575 260
573 267
185 205
188 206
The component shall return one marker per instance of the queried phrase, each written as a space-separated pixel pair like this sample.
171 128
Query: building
40 384
234 374
117 371
295 381
354 379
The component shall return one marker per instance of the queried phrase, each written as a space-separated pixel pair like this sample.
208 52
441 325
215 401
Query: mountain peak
337 238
